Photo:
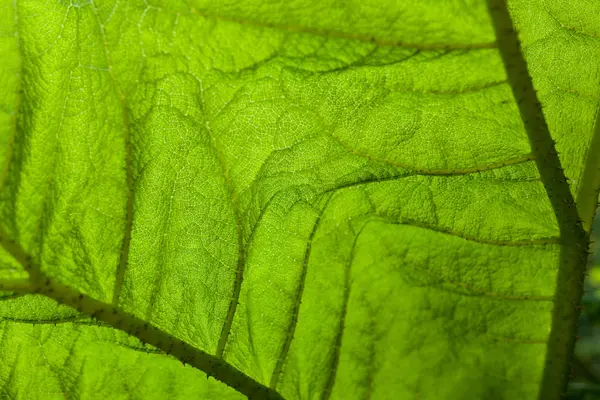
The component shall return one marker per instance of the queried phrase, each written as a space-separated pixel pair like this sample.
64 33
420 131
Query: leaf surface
328 199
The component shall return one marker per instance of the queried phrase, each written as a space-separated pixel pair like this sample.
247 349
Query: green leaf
304 200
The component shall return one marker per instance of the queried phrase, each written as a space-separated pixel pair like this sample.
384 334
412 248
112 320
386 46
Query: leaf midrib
575 240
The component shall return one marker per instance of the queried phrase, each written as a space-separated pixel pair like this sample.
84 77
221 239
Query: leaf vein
18 98
120 273
340 34
291 329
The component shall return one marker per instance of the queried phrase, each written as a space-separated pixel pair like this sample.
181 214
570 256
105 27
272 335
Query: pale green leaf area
333 199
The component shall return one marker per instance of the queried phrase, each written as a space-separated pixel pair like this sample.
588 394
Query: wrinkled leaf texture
330 199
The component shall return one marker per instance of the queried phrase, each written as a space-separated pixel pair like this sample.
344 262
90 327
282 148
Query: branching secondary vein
344 35
438 171
239 275
120 275
129 323
297 301
335 359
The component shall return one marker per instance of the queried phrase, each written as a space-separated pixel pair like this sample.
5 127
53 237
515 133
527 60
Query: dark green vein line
335 360
472 89
362 62
506 339
159 273
134 348
251 342
237 288
10 380
152 335
263 210
91 322
575 240
589 186
437 171
493 242
18 98
472 170
459 289
68 380
342 35
473 291
572 29
239 274
55 370
297 301
15 250
78 377
132 325
370 360
544 241
120 273
63 320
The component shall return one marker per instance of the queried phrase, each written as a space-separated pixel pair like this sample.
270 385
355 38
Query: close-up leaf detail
295 200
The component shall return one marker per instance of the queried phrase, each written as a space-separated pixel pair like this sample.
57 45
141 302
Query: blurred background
585 374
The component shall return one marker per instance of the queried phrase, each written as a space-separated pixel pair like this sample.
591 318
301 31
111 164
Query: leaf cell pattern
327 200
